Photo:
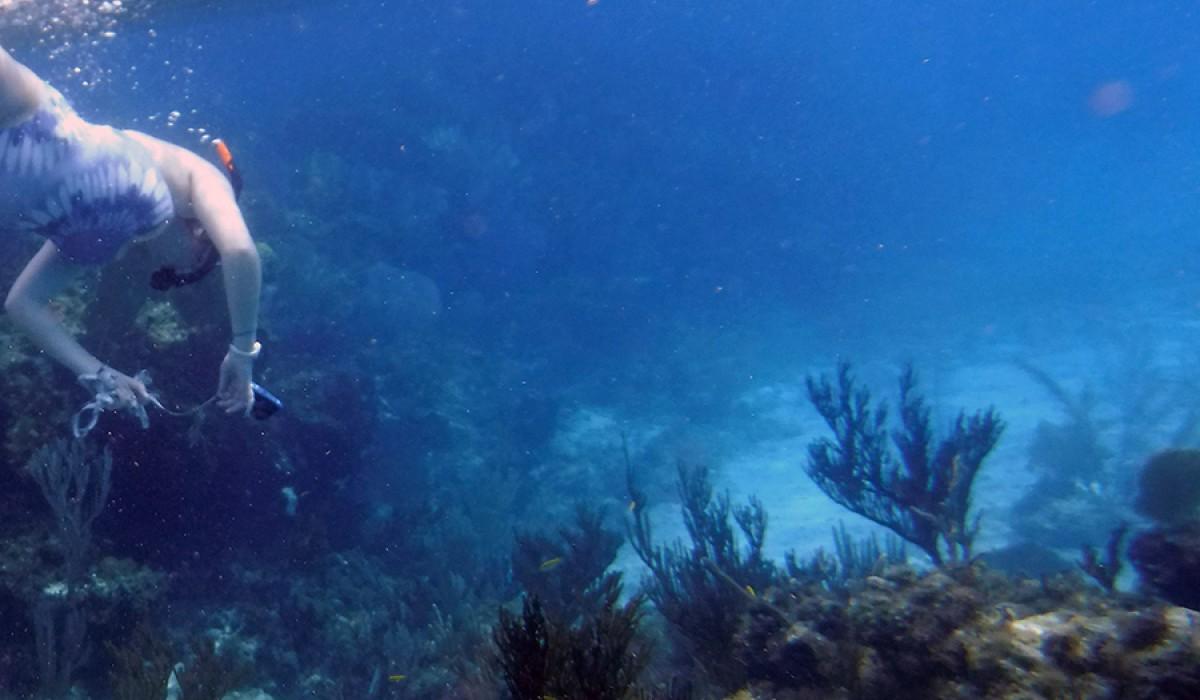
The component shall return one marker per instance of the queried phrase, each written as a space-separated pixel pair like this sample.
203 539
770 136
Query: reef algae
966 632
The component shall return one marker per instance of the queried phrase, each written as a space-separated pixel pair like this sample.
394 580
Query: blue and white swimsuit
91 189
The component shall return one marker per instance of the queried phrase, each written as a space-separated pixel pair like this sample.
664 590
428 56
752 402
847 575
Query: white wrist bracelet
253 353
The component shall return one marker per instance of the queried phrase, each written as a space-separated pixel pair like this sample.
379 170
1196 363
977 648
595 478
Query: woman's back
87 187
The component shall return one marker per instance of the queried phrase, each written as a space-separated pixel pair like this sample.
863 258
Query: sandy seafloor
761 451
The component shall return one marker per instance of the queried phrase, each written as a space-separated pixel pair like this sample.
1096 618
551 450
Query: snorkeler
91 190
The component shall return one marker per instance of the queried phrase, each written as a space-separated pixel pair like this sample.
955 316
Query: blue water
813 159
521 230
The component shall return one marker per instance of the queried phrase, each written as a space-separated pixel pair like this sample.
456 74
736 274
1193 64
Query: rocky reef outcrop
966 632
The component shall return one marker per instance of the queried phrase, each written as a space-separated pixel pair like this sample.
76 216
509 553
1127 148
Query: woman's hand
234 393
112 391
130 393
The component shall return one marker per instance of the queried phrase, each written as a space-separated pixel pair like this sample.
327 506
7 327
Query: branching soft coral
703 590
569 574
541 656
924 495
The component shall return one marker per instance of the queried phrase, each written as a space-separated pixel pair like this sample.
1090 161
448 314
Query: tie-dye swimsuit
88 188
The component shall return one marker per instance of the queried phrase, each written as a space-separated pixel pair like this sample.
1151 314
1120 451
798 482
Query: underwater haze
551 285
927 173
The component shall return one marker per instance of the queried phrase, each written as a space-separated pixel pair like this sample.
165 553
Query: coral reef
850 560
75 483
1169 486
703 588
925 495
541 656
66 625
143 664
965 632
1069 500
344 624
162 324
1167 559
1105 568
569 576
1087 460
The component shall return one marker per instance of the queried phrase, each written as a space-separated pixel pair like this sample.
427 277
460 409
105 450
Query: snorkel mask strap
167 277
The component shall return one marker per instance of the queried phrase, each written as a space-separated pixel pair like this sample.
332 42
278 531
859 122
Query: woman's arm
28 304
216 209
215 206
20 90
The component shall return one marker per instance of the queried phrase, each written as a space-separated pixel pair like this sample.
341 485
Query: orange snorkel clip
231 171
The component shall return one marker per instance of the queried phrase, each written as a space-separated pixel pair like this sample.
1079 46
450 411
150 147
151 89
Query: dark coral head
1169 486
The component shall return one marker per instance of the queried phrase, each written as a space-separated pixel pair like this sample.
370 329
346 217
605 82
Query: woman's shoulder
184 170
23 91
154 146
167 155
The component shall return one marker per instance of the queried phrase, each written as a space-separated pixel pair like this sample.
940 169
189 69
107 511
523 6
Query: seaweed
209 675
850 560
567 574
1073 465
75 482
62 644
924 496
1105 569
542 656
143 664
703 589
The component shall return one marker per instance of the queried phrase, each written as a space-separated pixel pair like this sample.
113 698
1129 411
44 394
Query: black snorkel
167 277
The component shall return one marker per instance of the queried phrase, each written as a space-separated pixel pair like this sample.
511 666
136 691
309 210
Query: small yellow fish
750 591
550 564
396 677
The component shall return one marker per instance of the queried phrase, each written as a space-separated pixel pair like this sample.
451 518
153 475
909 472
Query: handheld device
266 404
